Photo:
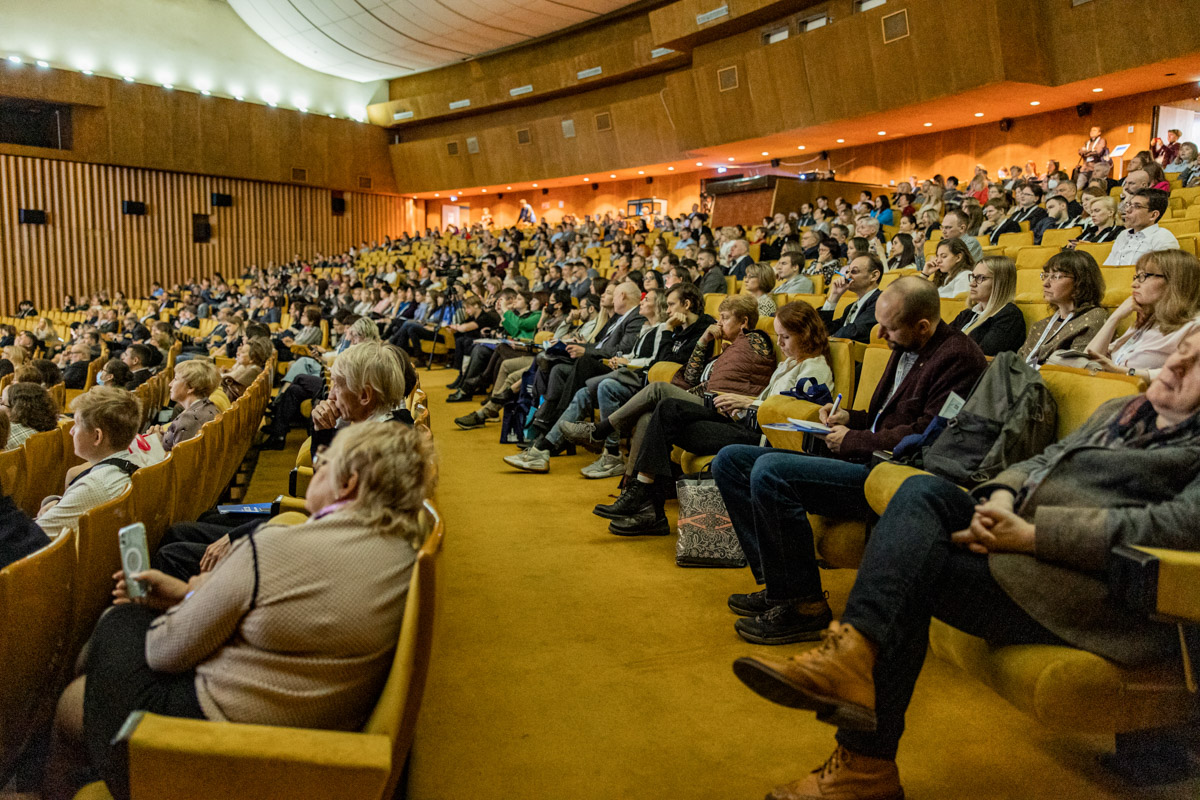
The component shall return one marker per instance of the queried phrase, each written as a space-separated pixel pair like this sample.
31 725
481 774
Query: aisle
573 664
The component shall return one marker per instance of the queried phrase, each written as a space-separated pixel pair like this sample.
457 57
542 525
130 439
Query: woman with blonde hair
191 386
1104 227
283 630
991 318
760 280
1163 305
46 335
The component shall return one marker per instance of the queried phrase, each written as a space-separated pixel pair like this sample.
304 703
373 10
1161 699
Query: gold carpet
572 664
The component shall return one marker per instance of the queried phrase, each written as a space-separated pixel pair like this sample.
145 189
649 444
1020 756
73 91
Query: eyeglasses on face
1142 277
975 280
1054 276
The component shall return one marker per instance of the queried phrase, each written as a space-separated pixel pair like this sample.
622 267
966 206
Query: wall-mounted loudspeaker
31 216
545 191
824 156
595 187
201 229
133 208
775 162
500 196
650 179
338 206
1006 124
222 200
1084 109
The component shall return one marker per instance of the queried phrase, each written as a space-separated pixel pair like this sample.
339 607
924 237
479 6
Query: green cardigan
521 327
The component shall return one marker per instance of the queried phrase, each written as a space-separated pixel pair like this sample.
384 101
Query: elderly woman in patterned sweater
282 631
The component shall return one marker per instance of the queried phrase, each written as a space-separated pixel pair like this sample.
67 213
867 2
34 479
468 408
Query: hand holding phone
135 558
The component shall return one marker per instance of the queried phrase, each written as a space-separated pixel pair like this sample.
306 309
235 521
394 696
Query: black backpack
1010 416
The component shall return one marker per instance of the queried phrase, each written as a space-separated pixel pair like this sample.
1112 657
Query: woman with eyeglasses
1163 306
1073 286
991 318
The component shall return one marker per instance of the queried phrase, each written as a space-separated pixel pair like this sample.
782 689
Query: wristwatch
1131 372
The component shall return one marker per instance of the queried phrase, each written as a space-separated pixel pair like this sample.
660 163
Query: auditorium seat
1058 237
172 758
1098 251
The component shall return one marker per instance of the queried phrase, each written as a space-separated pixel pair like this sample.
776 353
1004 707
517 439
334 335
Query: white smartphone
135 557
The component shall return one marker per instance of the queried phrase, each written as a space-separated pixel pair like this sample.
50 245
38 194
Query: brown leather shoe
836 679
846 776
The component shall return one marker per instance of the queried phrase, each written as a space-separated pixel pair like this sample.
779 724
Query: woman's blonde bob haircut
201 377
396 466
376 365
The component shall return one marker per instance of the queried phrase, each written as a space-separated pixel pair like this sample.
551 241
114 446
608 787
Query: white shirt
97 487
959 285
1131 245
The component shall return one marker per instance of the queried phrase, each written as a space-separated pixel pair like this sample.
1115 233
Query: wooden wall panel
89 243
1054 134
138 125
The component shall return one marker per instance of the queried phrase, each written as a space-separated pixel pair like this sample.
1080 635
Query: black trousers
184 544
287 404
485 364
565 380
695 428
119 681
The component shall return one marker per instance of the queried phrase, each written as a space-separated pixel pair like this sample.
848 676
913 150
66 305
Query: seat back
841 361
1099 251
875 360
1060 236
35 594
395 714
154 499
44 470
186 456
1079 393
99 557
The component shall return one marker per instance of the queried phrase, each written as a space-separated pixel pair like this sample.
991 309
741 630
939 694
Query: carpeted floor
570 663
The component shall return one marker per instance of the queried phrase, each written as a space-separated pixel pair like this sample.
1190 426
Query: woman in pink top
1165 300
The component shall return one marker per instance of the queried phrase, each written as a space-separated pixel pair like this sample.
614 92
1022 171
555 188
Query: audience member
1073 286
191 386
862 278
31 410
788 279
991 318
954 263
1143 210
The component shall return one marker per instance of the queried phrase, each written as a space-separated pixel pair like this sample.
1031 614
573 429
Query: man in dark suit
712 277
75 370
739 258
1028 209
862 277
769 511
137 358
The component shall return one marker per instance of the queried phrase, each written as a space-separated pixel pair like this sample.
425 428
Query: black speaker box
545 191
31 216
201 229
133 208
824 156
338 205
500 196
1006 124
650 179
1084 109
595 187
775 162
222 200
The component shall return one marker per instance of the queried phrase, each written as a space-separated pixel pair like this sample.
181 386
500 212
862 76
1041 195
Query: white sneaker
606 466
530 460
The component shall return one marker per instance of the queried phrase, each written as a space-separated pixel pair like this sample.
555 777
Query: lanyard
1047 334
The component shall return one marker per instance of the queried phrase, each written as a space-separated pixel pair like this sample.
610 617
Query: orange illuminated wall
1055 134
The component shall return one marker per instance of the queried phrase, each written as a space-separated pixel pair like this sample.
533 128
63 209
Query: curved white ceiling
366 40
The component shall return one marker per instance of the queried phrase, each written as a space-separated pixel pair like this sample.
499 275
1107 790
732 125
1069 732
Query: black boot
457 382
466 391
636 497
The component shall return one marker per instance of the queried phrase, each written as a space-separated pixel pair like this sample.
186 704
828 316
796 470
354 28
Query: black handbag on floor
706 536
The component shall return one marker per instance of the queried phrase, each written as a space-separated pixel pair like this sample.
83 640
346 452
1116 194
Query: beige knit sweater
296 626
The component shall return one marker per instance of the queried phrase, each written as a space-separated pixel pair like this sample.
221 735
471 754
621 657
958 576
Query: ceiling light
841 141
43 64
15 59
731 158
303 109
883 133
928 124
765 153
800 147
585 180
641 172
670 169
271 103
979 113
87 72
437 195
1097 90
239 97
535 186
699 163
333 116
168 86
721 170
509 189
613 175
1035 102
207 93
128 78
485 191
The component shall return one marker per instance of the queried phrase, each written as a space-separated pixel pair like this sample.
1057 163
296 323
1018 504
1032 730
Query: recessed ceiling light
272 103
168 86
587 180
208 93
1035 102
15 59
485 191
731 158
699 163
928 124
613 175
670 169
979 113
333 116
535 186
883 133
841 141
509 189
765 153
43 64
641 172
1097 90
303 109
128 79
87 72
800 147
239 97
437 195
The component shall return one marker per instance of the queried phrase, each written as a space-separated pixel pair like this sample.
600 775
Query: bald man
769 493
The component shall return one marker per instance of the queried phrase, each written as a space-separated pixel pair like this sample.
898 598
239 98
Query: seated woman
760 280
31 410
954 263
1164 304
744 367
281 631
252 356
517 322
996 221
991 318
1104 227
902 253
48 339
1073 286
194 381
826 264
106 420
732 418
1023 559
438 313
116 373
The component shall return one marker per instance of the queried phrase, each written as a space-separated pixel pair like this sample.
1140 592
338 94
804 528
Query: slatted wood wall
88 243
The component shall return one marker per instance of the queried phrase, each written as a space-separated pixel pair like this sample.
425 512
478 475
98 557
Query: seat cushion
1070 689
840 543
94 791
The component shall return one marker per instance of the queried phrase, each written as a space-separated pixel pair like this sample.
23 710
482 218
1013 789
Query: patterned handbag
706 536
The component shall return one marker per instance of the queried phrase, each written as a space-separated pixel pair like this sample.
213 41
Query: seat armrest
298 474
1158 582
662 371
284 503
171 757
884 481
778 409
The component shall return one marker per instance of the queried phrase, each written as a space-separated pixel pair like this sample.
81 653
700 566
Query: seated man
739 258
106 420
1024 559
137 358
75 368
788 279
1028 208
712 277
1057 216
954 226
862 277
1142 234
770 493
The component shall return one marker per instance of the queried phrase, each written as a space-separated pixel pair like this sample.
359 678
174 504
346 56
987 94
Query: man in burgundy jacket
769 493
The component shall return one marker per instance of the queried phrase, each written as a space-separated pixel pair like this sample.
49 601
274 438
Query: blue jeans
580 404
910 572
769 494
610 395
